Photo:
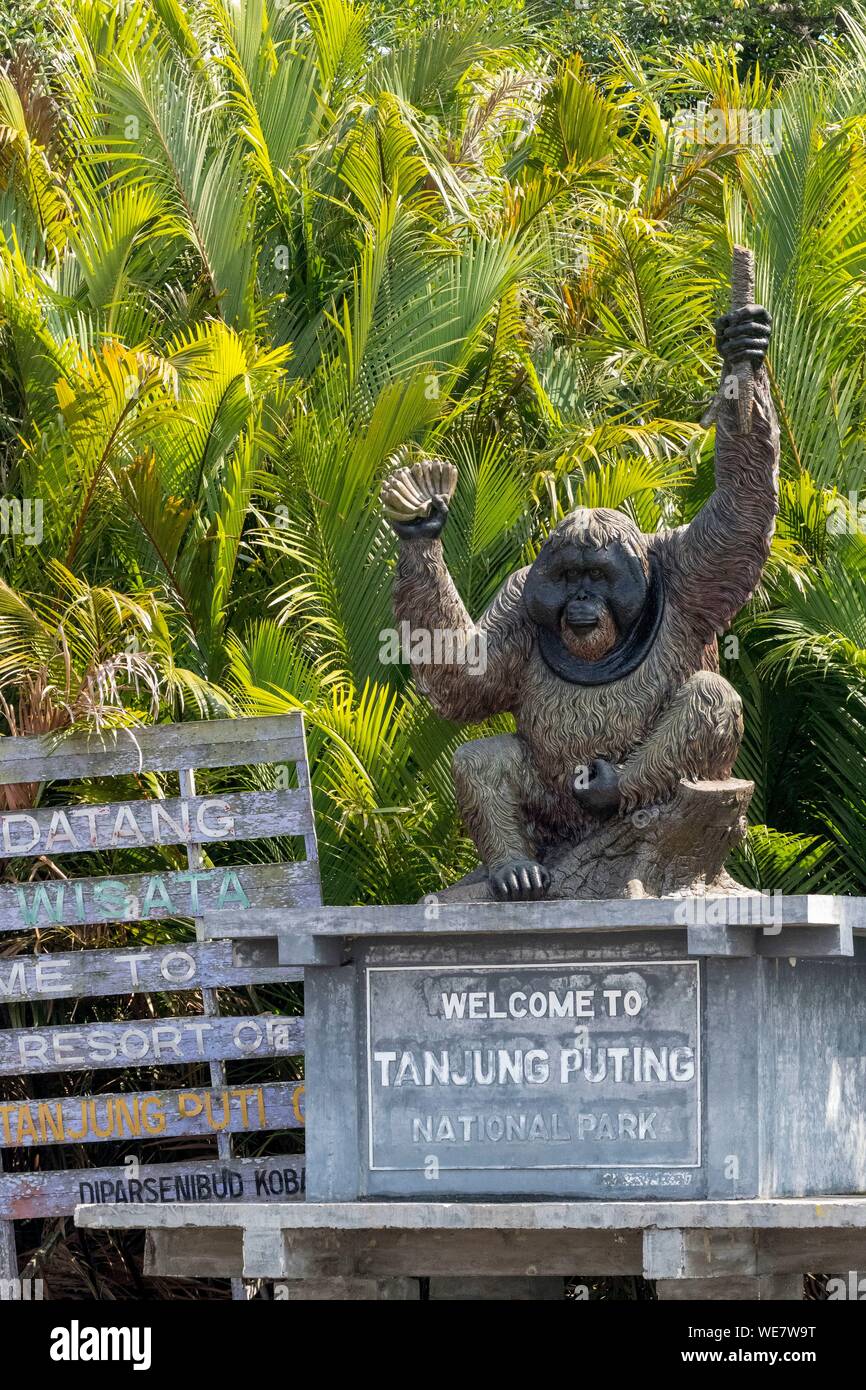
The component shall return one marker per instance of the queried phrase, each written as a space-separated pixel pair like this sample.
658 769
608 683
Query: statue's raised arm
720 556
467 670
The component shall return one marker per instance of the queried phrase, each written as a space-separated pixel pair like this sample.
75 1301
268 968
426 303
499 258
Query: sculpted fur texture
605 653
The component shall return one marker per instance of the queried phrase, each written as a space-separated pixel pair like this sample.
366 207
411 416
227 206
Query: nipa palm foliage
254 254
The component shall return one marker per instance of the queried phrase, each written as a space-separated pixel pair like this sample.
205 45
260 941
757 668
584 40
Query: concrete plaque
534 1067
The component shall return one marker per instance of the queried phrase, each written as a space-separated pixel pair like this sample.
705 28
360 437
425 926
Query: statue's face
587 597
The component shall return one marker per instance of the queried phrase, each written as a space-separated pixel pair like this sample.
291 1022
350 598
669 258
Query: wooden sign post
207 896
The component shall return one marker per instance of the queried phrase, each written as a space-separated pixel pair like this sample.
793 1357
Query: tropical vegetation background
254 252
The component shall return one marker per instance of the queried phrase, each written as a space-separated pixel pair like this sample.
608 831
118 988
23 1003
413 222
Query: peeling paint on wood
150 1042
24 1196
151 1115
198 820
150 897
152 969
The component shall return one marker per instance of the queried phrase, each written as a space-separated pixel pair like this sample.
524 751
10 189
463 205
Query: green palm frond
578 128
180 143
821 627
776 862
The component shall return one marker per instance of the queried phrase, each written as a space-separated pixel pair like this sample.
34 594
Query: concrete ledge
586 915
697 1255
813 925
785 1213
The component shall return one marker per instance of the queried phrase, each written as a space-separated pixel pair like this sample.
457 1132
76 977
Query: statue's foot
519 880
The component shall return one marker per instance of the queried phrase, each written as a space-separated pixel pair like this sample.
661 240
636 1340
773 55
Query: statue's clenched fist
415 499
743 335
600 790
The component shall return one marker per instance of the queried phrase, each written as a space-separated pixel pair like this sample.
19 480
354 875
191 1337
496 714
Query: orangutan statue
604 650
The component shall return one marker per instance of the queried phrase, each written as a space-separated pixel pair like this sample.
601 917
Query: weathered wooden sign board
122 1116
193 820
149 897
206 895
153 1042
192 965
24 1196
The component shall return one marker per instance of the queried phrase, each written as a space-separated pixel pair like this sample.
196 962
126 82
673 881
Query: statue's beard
590 643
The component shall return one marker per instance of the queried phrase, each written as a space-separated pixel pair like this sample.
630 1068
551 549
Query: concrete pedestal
583 1066
502 1097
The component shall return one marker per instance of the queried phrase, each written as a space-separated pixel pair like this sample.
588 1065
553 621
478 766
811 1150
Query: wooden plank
305 788
793 1252
197 820
152 969
218 1252
117 1116
509 1288
149 1042
345 1290
8 1261
24 1196
485 1253
209 1003
202 743
149 897
771 1288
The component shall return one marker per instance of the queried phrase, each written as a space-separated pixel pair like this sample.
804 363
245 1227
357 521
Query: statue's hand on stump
743 335
597 787
415 499
519 880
